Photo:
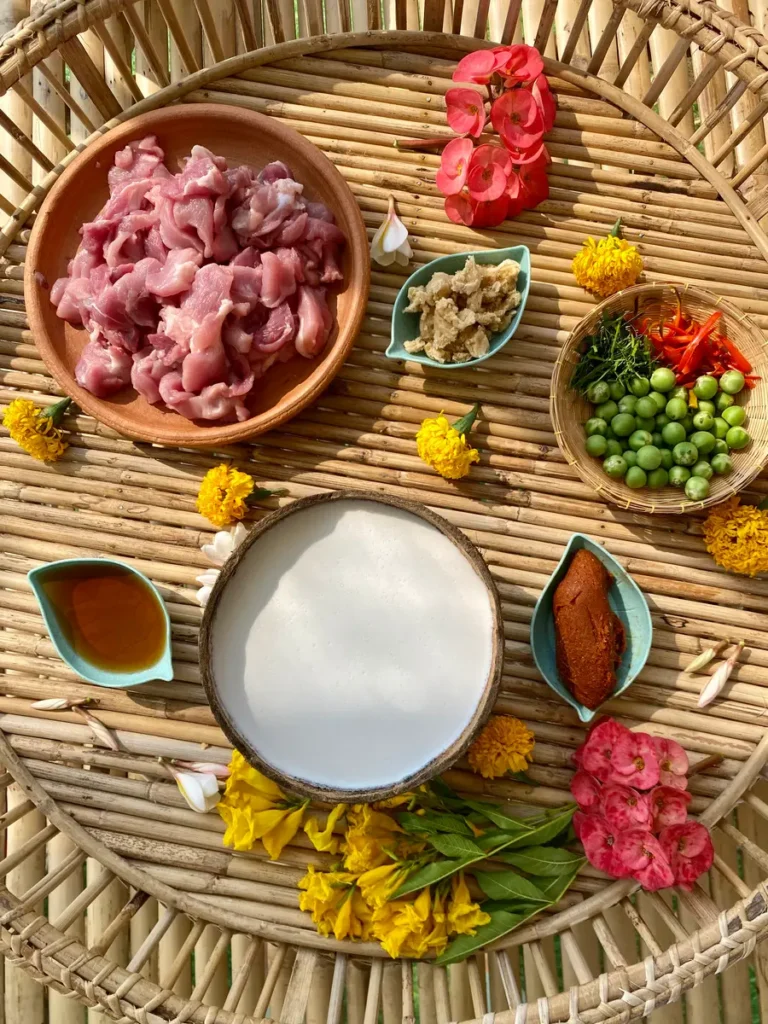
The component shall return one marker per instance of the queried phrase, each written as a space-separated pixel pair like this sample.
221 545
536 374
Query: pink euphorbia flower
519 64
480 66
644 859
599 842
545 101
488 173
454 165
673 763
669 806
465 111
517 119
635 761
625 808
458 208
596 754
586 791
689 850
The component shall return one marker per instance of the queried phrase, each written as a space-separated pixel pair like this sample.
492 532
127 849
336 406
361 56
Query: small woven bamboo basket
569 410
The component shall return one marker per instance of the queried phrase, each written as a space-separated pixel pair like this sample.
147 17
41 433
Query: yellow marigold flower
444 447
608 265
323 839
223 495
736 536
36 430
504 745
370 834
254 807
464 916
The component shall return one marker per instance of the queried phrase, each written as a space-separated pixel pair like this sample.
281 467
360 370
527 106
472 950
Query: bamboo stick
99 915
24 998
60 1009
13 107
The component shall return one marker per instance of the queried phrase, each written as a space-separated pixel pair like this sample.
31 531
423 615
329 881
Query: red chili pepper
740 362
694 352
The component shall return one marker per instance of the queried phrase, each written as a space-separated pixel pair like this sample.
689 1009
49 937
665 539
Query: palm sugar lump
589 636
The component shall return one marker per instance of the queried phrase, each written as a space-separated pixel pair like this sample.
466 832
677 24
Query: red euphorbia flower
489 214
673 763
480 66
599 842
488 173
689 850
458 208
586 791
669 806
643 857
454 165
596 754
545 101
517 119
466 111
519 64
635 761
625 808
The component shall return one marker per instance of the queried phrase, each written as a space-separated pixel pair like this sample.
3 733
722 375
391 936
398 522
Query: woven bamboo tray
116 895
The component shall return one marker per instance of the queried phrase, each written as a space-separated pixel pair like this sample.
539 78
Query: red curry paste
590 638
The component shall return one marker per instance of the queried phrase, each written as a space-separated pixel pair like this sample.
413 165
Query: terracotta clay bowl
243 137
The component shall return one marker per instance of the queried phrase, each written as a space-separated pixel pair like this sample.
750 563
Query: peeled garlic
390 243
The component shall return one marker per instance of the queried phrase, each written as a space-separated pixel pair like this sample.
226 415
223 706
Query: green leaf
555 888
544 861
455 846
502 922
494 814
432 823
547 830
429 874
506 885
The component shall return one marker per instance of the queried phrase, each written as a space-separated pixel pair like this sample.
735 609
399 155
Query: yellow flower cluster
351 907
352 901
607 266
36 430
736 536
445 448
504 745
223 495
254 807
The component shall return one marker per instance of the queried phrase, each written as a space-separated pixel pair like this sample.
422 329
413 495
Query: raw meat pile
192 285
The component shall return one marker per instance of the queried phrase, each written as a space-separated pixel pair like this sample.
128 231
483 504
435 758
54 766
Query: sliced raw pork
191 285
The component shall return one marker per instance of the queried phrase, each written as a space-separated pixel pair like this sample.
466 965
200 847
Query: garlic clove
391 237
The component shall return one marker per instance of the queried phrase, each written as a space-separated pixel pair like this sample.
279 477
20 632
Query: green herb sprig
616 351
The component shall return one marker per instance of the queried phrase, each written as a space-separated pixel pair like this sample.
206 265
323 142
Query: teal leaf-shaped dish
162 669
626 600
405 326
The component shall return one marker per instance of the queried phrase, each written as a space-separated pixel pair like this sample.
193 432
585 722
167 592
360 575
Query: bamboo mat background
519 505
